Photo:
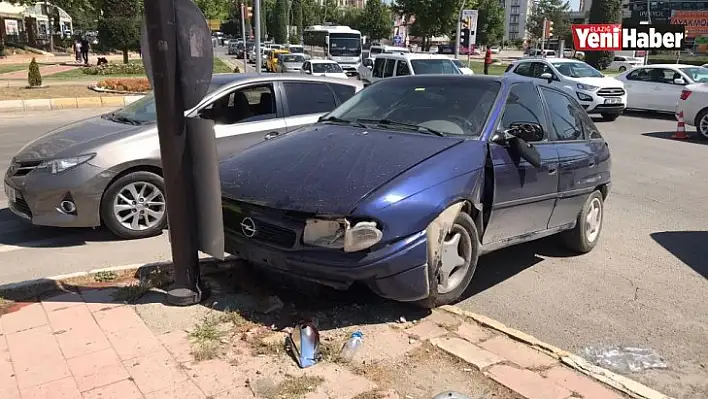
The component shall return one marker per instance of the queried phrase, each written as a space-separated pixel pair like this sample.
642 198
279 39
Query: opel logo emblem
248 227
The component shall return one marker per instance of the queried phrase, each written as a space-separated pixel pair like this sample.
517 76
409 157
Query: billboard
696 22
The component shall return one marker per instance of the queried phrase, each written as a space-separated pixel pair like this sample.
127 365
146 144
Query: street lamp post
257 17
457 39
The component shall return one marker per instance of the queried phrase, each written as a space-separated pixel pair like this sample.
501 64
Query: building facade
516 13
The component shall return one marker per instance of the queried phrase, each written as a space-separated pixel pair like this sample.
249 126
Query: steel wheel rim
139 206
593 220
703 126
455 259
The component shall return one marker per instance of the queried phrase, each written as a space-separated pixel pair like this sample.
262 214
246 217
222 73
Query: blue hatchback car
407 183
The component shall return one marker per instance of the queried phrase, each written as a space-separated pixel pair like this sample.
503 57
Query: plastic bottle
351 346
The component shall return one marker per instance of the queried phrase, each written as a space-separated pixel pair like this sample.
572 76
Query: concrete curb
47 104
621 383
38 287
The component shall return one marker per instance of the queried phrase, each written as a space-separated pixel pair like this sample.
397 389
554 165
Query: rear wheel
584 236
702 123
134 206
622 69
610 116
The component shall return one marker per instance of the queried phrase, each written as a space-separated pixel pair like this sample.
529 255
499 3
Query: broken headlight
340 234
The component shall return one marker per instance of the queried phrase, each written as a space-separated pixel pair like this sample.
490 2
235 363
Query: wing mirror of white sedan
680 81
548 76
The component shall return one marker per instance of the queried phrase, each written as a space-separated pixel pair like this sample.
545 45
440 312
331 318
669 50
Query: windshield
577 70
292 58
457 63
449 106
697 74
326 67
296 49
142 111
434 67
345 45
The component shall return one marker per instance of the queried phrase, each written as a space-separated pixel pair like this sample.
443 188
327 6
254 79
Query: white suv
595 92
389 65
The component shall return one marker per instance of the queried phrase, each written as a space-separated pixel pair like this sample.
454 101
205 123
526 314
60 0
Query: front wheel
584 236
458 263
702 123
610 116
134 206
622 69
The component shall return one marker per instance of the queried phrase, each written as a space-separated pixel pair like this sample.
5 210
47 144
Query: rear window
434 67
343 92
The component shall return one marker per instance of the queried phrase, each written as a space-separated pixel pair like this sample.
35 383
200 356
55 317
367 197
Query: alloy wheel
455 259
703 126
139 206
593 220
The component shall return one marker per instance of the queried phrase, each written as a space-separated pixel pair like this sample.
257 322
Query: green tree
377 21
556 11
432 18
603 12
329 12
490 22
119 27
34 78
213 9
280 21
352 17
311 13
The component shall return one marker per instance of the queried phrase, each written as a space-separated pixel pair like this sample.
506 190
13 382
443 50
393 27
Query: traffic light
548 29
249 12
464 38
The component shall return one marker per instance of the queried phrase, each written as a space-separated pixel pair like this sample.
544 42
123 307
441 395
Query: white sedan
622 63
693 102
464 69
330 69
658 87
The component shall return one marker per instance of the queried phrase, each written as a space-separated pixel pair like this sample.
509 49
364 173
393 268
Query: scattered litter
624 359
401 319
351 346
466 370
304 344
451 395
411 341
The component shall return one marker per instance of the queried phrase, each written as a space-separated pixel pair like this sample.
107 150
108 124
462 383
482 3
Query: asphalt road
644 285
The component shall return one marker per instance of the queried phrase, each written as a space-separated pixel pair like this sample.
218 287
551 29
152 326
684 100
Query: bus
337 43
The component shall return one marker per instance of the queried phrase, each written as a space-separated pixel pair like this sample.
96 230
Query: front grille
265 231
611 92
21 206
23 168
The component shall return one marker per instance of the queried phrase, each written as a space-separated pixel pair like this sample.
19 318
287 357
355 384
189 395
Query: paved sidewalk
26 58
45 71
89 344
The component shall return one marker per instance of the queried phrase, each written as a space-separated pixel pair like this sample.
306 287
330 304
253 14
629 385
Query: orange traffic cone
680 128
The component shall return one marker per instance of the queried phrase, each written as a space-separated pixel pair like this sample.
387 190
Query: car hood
605 82
77 138
292 65
324 169
332 75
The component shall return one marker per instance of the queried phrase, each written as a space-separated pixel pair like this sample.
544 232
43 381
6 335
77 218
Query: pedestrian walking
487 60
77 50
85 50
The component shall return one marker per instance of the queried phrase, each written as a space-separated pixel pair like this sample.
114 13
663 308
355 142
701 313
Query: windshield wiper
334 119
123 119
417 128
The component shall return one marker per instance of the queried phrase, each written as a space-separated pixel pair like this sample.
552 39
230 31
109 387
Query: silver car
106 170
290 63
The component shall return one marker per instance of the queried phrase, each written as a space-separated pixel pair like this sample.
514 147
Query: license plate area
11 193
613 100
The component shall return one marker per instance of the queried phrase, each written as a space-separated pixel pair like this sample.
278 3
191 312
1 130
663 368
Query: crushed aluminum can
304 343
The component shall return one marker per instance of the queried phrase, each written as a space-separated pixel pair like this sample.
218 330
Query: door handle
592 163
271 135
552 168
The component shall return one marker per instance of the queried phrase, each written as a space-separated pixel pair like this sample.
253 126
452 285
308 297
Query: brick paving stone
518 353
443 318
177 343
473 332
101 299
36 357
183 390
234 392
30 316
97 369
214 376
118 390
386 343
527 383
60 389
466 351
339 382
579 383
127 332
62 301
8 383
155 371
76 331
426 330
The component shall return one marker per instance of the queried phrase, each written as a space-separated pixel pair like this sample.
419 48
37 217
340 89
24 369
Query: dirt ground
21 93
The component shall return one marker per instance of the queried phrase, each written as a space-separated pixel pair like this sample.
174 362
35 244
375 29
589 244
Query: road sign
397 39
470 14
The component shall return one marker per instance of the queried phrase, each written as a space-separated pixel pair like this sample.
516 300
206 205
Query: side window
308 98
379 67
523 105
306 66
591 131
566 116
249 104
661 75
343 92
524 69
402 68
388 70
639 74
539 68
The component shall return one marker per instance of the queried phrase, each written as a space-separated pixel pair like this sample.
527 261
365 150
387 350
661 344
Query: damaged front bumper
396 271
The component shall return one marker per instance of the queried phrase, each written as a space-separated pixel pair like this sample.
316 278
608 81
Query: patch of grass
76 73
375 394
221 67
104 276
494 69
12 68
206 338
20 93
131 293
295 387
330 351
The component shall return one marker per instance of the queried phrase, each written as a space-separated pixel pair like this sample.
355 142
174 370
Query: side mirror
370 67
518 138
548 76
680 81
307 71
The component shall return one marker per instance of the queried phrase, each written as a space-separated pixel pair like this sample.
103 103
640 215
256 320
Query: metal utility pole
257 17
543 36
646 52
243 33
459 21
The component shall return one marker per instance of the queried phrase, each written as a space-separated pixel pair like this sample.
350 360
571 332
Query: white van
378 49
389 65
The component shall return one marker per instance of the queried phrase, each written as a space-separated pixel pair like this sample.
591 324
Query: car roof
413 56
227 79
323 62
668 66
433 78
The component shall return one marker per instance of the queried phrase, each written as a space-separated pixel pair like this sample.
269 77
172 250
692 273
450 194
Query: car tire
586 233
702 123
121 190
463 225
622 69
609 117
